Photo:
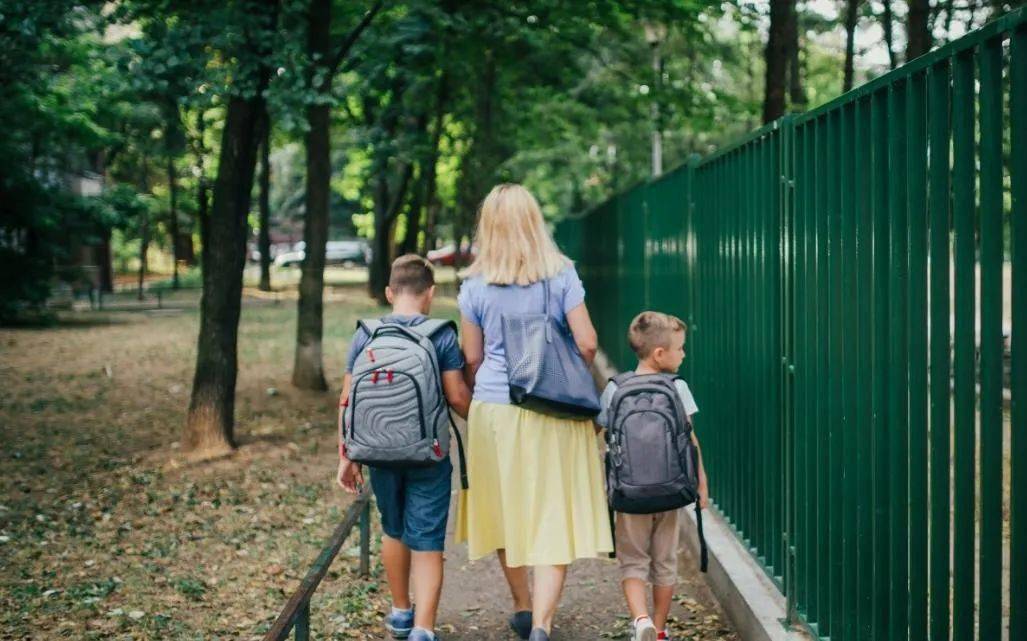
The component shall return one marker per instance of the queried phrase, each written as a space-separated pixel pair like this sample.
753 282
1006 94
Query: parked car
348 253
448 256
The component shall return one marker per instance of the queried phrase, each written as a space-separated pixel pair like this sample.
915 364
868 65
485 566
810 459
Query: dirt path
476 603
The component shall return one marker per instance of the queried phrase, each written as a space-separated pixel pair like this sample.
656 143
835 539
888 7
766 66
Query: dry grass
105 531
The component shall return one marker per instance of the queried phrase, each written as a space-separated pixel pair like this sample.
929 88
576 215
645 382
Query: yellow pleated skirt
536 488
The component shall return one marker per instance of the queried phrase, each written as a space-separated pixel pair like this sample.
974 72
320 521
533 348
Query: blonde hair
514 246
650 330
411 273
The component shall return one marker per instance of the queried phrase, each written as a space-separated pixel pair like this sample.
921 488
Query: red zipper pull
388 375
370 354
374 376
436 448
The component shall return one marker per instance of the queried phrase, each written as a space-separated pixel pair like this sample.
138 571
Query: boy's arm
349 475
704 488
458 395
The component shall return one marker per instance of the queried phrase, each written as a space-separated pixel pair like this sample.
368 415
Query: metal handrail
296 613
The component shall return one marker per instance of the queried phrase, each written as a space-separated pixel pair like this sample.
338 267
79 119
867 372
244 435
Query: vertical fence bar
1018 348
823 565
803 509
845 366
786 372
898 443
990 556
864 349
940 341
879 416
916 250
963 457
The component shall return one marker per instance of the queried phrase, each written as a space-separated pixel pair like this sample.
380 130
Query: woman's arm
584 332
472 343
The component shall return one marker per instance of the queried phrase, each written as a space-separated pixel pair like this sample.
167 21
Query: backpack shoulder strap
369 325
622 378
432 326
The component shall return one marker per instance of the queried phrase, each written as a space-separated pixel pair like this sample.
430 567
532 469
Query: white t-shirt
687 400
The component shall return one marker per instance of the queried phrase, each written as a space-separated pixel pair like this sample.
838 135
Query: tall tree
796 91
918 41
264 206
210 424
888 26
308 369
776 59
851 20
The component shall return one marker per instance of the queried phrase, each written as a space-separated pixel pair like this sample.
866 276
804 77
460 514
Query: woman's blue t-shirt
484 305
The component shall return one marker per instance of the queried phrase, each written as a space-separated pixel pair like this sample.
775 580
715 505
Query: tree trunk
430 175
144 230
777 59
173 220
103 260
887 24
264 240
202 200
144 248
851 19
210 425
797 93
919 35
415 212
308 371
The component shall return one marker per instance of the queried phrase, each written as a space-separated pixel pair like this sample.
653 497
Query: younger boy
413 502
647 544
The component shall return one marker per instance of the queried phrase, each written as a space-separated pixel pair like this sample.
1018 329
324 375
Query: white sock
431 635
397 611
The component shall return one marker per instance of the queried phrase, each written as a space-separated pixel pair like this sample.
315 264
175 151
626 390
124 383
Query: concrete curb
752 602
756 607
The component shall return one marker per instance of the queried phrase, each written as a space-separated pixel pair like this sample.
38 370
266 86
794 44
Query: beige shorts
647 547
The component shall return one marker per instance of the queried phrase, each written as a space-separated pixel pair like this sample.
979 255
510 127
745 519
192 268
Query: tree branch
353 36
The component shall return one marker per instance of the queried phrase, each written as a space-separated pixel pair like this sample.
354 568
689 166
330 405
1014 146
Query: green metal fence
852 277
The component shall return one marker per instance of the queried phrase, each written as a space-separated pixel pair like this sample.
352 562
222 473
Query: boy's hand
349 477
704 495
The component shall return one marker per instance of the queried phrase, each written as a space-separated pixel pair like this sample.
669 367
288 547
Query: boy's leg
426 577
633 537
396 559
388 486
427 495
663 597
665 538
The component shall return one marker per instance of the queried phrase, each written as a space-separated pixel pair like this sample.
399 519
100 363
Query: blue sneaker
420 634
399 623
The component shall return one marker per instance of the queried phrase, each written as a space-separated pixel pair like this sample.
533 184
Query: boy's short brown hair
411 274
650 330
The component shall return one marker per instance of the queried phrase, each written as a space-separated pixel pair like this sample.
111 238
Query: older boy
413 501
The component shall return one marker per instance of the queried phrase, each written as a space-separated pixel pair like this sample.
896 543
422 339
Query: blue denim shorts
414 504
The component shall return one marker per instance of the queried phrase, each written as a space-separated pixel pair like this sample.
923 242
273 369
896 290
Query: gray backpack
652 465
397 415
652 462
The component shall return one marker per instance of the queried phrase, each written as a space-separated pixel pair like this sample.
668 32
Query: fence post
786 188
302 627
365 539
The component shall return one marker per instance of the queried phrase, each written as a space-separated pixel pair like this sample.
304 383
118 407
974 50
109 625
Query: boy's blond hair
650 330
411 274
514 246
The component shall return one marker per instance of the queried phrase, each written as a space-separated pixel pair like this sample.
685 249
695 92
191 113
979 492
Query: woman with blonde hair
536 494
